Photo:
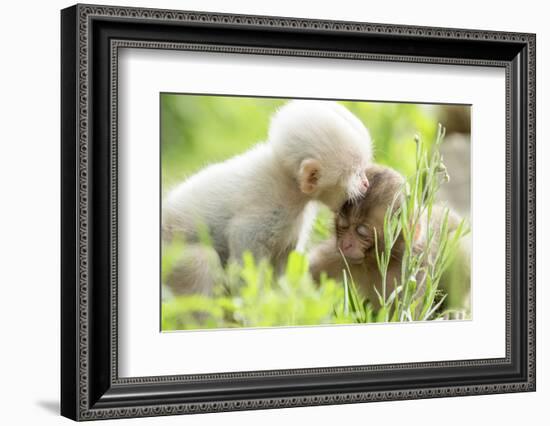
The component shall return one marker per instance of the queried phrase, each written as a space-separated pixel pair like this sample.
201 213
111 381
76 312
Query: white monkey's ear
309 174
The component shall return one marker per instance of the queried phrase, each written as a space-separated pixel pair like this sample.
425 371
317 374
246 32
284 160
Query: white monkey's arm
249 233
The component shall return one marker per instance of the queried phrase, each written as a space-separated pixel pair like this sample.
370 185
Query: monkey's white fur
254 201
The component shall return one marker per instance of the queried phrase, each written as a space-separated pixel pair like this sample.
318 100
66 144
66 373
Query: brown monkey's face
356 233
360 221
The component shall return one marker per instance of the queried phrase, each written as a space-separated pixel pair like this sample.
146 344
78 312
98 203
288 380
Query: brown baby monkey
359 223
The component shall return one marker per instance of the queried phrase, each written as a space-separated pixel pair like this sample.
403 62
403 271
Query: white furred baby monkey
256 201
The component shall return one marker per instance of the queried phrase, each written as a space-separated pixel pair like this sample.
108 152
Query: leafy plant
415 297
255 297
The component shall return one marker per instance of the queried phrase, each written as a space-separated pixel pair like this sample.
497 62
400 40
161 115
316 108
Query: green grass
253 297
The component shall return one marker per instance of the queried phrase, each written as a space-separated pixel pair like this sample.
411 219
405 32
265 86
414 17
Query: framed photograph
263 212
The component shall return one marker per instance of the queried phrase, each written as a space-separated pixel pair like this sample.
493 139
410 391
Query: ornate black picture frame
90 38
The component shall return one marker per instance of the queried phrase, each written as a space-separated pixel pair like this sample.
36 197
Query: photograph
280 212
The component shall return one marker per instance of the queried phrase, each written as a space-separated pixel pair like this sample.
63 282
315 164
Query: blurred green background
198 130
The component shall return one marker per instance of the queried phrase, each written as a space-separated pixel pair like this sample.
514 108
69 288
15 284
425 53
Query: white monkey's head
325 147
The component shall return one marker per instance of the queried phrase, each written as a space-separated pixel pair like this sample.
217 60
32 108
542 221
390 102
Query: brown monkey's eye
362 230
342 222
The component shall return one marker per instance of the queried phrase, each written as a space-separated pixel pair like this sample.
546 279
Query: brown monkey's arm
326 257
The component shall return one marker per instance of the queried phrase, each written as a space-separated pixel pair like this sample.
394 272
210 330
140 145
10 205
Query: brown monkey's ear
309 174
